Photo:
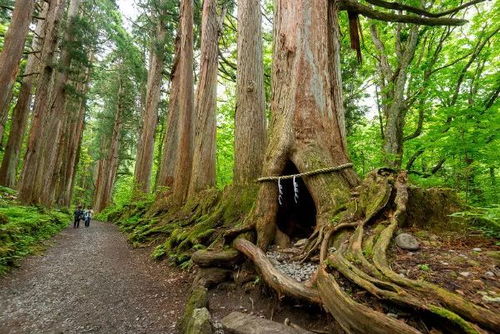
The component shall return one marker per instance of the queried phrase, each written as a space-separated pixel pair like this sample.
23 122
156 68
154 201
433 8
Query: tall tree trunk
12 52
32 183
250 123
165 177
203 173
21 111
393 84
57 116
70 144
307 125
145 150
176 164
108 166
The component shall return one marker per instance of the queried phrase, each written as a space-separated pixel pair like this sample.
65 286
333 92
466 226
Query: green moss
197 299
23 229
467 327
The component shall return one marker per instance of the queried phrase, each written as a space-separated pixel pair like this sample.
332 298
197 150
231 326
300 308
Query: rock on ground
407 241
200 322
92 281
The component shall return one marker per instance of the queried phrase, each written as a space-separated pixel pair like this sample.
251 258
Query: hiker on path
78 216
88 216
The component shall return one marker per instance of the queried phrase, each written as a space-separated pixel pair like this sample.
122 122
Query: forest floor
91 281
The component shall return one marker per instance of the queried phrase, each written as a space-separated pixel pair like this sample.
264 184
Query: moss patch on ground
23 228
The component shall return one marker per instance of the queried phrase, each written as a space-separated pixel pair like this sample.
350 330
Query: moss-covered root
356 318
197 299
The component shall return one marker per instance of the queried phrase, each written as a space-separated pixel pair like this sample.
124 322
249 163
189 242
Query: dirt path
91 281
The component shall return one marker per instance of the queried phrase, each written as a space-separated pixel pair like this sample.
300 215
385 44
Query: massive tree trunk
21 111
12 52
353 226
32 182
107 167
307 126
175 170
250 124
145 150
203 173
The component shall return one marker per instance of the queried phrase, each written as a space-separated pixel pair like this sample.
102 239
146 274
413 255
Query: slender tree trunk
12 52
32 182
21 111
250 124
203 173
307 125
69 152
393 85
175 170
108 166
145 150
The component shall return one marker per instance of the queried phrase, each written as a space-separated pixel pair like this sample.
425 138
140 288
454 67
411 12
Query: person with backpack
88 217
78 216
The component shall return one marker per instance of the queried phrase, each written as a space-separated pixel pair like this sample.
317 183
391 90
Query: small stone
407 241
489 274
300 243
465 273
476 249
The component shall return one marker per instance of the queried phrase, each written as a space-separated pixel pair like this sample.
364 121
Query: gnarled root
361 260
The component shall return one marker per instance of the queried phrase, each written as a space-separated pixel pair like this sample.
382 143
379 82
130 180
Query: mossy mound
180 231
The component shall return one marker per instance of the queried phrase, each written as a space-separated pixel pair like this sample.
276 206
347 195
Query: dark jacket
78 214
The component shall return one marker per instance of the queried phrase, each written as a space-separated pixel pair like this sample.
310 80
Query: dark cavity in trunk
295 218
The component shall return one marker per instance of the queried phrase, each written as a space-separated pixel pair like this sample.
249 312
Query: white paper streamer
280 192
295 190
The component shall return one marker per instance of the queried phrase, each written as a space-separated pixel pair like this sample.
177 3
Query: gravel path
91 281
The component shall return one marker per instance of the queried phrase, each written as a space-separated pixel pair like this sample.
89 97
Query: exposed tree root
355 317
361 259
283 284
210 258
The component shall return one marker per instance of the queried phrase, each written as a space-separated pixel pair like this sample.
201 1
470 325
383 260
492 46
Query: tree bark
32 182
145 150
58 114
203 172
108 166
12 52
175 169
70 144
250 123
21 111
307 125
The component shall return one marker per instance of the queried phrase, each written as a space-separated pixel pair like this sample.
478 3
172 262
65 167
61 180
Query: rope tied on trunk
310 173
